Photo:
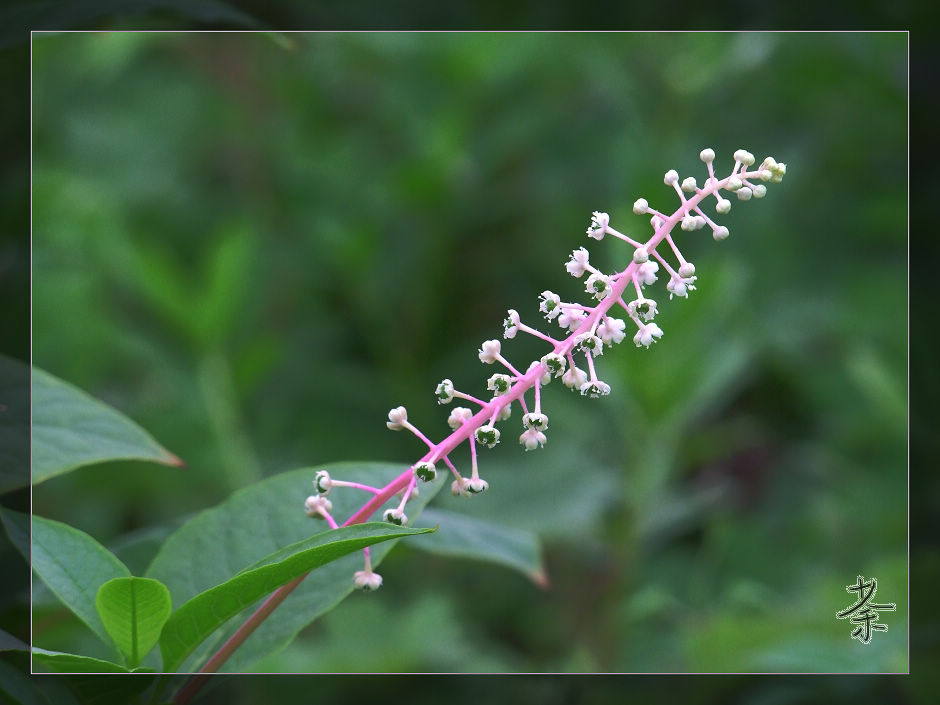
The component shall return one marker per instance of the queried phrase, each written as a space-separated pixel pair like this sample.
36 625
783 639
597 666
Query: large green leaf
14 424
133 611
73 565
59 662
463 536
208 611
72 429
255 522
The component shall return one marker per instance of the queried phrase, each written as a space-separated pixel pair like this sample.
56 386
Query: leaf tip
541 579
174 460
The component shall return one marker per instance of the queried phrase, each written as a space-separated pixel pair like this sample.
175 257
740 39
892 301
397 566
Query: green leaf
208 611
254 523
14 424
72 429
73 565
59 662
133 611
462 536
16 525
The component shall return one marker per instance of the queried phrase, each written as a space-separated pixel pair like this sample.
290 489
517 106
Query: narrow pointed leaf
133 611
258 521
73 565
206 612
72 429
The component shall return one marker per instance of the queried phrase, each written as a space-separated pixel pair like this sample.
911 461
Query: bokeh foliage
256 244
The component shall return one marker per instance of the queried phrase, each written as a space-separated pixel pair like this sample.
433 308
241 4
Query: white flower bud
549 304
574 378
476 485
595 389
641 206
707 155
458 416
504 413
554 363
765 175
445 392
317 506
744 194
724 205
397 418
720 233
734 183
598 226
458 488
640 255
367 581
698 222
532 438
688 184
688 223
322 482
743 156
760 191
499 384
769 163
395 516
489 351
671 177
647 335
426 472
687 270
487 435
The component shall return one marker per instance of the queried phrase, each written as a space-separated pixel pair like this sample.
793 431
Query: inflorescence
586 331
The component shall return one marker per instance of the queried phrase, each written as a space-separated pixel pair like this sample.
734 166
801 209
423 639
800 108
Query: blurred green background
257 244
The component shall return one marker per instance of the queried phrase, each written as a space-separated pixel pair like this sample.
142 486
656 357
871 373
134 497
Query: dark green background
256 244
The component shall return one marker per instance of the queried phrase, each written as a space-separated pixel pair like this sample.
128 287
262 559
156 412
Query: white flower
578 262
488 435
644 308
589 343
641 206
499 384
366 580
595 389
598 226
426 472
611 330
445 392
647 335
678 286
554 363
646 272
549 304
571 318
574 378
504 413
536 421
397 418
532 438
597 285
511 324
459 487
489 351
395 516
322 482
476 485
458 416
317 506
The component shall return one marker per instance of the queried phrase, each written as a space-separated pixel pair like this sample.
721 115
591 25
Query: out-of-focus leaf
59 662
16 525
461 536
72 429
206 612
257 521
73 565
14 424
133 611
